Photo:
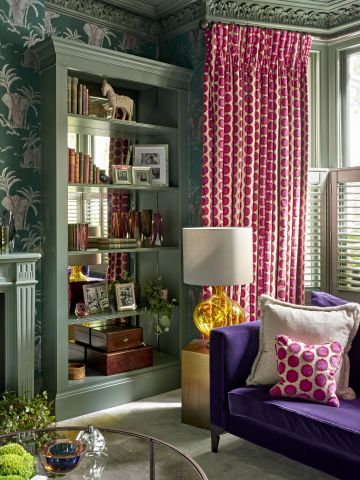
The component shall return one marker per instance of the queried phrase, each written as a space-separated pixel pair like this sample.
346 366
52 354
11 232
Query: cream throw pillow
312 325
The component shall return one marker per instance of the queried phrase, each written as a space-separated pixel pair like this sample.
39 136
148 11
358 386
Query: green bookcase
161 96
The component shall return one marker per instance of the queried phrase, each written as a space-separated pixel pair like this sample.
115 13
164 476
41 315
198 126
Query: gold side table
195 384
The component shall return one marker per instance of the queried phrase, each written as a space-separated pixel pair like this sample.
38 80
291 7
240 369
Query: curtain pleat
255 151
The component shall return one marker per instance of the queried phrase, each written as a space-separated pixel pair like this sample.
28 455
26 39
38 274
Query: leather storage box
119 362
82 334
77 352
111 338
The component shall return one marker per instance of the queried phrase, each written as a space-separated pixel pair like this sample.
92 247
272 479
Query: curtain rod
204 24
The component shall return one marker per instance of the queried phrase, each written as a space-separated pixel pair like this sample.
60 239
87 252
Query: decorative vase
156 230
146 227
135 225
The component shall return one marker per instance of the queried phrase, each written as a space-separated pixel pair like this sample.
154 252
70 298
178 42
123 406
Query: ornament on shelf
135 225
157 230
146 224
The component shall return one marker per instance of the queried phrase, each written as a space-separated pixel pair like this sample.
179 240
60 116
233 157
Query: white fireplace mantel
17 290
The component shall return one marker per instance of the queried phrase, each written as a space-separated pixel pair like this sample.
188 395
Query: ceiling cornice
155 20
272 12
109 16
159 10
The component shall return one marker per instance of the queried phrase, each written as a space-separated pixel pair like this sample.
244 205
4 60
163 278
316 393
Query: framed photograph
141 175
156 157
96 297
121 174
125 296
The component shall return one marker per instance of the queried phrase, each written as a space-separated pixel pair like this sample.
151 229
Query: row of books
105 243
82 168
77 97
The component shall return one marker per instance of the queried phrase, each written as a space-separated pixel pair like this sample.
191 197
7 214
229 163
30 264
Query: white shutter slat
348 236
314 241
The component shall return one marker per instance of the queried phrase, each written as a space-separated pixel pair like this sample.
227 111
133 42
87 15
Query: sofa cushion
307 371
337 428
311 325
324 299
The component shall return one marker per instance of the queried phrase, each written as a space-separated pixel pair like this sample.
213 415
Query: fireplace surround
17 322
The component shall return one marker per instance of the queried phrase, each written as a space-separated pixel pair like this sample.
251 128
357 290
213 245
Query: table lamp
217 256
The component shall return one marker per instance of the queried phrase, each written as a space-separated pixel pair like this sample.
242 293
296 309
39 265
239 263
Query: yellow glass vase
76 274
219 310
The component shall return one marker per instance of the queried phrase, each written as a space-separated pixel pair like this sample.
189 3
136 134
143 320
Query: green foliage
20 413
157 299
12 464
11 477
14 448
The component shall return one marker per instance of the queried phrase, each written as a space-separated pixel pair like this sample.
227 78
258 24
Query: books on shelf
82 168
77 97
105 243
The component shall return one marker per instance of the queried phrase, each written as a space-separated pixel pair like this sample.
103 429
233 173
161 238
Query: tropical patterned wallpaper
188 50
23 24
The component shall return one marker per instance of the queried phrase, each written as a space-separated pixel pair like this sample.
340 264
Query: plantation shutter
95 207
315 241
345 232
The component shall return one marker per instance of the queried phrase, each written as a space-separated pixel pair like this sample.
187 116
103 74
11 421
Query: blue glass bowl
62 456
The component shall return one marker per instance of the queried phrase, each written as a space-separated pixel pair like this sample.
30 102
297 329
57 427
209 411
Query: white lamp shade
217 256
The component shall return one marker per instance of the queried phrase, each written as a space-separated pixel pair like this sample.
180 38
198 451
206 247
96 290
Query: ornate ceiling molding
275 14
331 19
108 15
189 14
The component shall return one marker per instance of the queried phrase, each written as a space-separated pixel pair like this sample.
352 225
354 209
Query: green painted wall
188 50
23 24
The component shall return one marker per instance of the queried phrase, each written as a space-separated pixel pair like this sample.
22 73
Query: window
345 232
350 101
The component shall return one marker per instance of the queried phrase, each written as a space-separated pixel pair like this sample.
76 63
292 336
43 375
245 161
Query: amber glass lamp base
217 311
76 274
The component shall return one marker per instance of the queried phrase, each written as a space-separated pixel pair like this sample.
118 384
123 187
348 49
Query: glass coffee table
127 456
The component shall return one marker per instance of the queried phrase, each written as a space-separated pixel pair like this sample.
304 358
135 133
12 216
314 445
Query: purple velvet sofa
324 437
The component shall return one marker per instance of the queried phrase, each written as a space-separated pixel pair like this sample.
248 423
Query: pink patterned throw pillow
307 371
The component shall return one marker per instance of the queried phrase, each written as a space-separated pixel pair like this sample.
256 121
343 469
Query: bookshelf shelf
90 187
91 251
88 125
99 318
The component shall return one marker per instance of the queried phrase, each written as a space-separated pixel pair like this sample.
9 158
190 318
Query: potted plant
156 296
20 413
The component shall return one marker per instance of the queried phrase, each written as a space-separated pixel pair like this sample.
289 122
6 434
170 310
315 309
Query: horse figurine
121 102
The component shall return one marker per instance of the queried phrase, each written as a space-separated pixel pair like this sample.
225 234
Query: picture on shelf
122 174
141 175
96 297
156 157
125 296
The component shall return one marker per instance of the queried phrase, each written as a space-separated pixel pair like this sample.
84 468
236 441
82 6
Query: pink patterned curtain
117 202
255 151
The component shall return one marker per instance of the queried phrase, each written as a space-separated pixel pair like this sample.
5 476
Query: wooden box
110 338
77 352
82 334
119 362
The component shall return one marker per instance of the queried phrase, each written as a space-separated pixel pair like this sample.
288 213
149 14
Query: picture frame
96 297
125 296
157 157
122 174
141 175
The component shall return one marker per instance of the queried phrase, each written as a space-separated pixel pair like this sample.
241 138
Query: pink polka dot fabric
307 371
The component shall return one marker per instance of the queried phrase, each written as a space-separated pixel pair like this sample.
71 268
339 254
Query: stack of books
105 243
77 96
82 168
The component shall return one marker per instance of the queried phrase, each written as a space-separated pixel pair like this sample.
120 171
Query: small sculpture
121 102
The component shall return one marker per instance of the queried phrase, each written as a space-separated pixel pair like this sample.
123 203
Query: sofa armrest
232 352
